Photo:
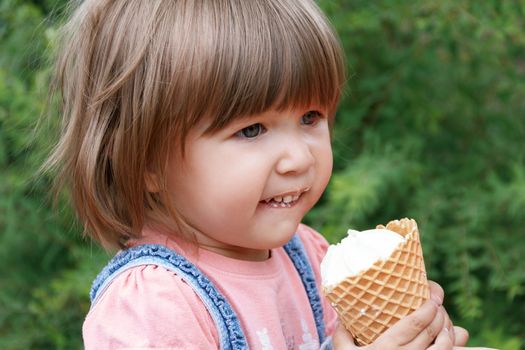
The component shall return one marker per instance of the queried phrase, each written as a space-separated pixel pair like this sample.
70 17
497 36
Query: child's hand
416 331
343 340
458 335
429 327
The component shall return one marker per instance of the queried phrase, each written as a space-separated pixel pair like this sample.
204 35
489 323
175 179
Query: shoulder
146 306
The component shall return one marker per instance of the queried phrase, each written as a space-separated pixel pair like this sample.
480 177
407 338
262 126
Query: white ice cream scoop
357 252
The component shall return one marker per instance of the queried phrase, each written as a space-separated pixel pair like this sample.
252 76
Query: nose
296 156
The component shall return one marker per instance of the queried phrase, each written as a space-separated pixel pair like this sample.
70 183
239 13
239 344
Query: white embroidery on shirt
264 339
310 343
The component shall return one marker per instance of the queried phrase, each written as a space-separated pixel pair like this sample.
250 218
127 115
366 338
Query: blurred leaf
431 126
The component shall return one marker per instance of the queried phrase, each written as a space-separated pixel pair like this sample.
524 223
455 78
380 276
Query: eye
252 131
311 118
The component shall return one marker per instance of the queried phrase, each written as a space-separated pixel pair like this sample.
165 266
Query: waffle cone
372 301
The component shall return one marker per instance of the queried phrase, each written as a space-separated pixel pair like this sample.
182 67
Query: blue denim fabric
296 252
228 326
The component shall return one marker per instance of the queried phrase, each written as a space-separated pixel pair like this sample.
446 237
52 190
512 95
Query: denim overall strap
296 251
231 336
228 325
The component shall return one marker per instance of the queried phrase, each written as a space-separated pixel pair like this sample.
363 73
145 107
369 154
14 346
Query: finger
470 348
409 327
436 292
461 336
442 341
342 338
429 334
449 326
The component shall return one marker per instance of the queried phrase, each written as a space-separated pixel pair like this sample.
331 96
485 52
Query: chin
283 238
273 240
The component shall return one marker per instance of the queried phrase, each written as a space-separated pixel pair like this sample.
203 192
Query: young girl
196 136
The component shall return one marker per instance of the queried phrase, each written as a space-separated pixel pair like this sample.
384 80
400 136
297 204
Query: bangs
256 55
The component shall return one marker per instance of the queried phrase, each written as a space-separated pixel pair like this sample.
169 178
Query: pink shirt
149 307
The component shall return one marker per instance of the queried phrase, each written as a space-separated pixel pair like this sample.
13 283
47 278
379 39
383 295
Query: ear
152 182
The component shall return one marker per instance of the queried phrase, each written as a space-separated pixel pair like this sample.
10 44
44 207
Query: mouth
285 200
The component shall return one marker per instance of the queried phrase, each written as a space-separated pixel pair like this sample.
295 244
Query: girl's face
245 188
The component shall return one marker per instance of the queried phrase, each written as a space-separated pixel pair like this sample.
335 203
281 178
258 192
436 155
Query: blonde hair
136 75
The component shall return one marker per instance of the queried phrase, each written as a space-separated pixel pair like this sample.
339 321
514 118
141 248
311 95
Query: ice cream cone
372 301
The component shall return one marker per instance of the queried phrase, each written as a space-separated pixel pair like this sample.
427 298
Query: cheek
232 185
325 172
229 205
329 160
324 159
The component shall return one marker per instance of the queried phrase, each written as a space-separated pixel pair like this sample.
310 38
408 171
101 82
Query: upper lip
294 193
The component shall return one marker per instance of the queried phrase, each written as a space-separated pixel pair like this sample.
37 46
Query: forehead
253 56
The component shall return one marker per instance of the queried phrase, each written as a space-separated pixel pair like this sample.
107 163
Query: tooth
278 199
287 199
296 197
268 200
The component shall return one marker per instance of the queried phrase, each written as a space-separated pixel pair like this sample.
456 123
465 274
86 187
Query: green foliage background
432 126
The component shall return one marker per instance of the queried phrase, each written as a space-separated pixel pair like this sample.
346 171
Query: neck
238 252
